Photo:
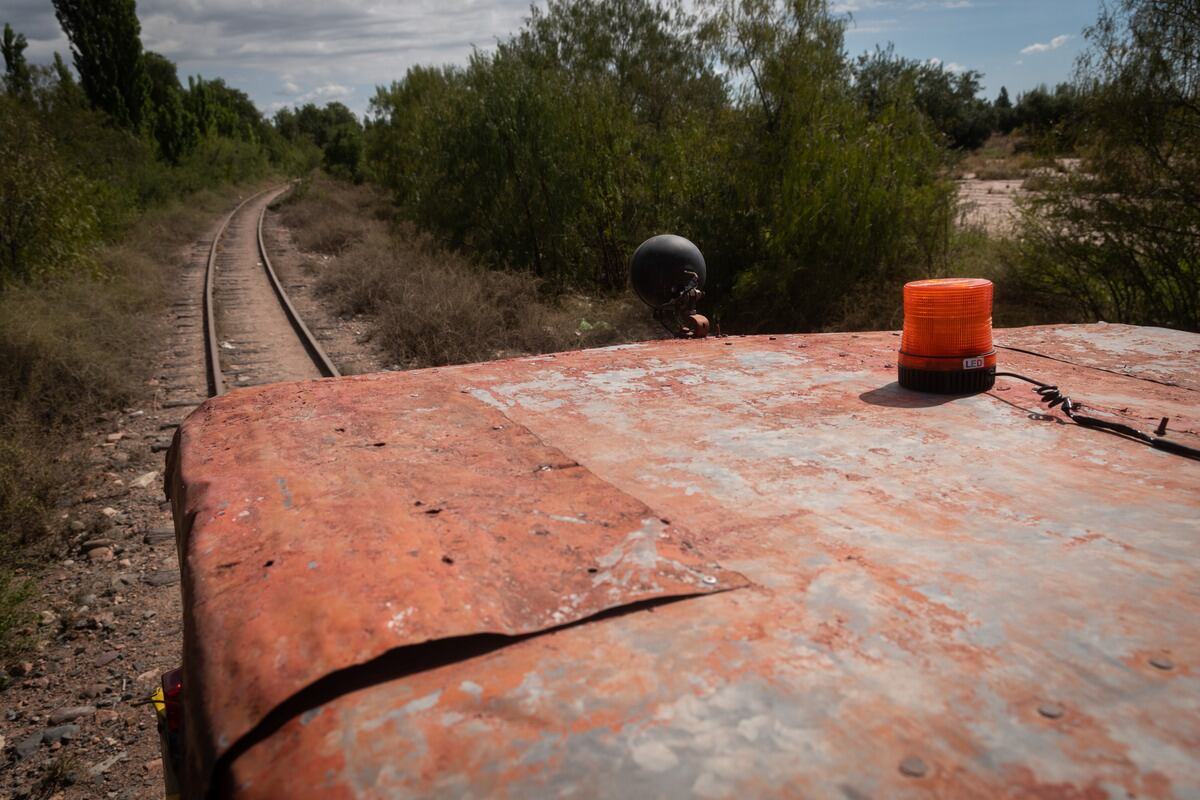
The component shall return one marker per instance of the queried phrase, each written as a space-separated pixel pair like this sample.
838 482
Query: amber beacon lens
947 342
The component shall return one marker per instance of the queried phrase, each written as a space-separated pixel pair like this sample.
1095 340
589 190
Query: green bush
604 122
46 224
558 153
427 306
950 100
1118 238
333 133
91 175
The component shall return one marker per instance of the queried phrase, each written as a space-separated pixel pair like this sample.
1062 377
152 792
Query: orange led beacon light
946 346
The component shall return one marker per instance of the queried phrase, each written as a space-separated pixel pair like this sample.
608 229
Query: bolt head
1162 662
913 767
1050 710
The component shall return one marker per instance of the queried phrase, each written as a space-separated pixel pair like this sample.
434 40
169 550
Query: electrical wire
1053 397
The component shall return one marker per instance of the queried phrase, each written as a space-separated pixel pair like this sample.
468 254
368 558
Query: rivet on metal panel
1050 710
1162 662
913 767
709 579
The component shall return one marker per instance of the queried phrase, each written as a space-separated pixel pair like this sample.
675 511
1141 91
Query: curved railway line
252 332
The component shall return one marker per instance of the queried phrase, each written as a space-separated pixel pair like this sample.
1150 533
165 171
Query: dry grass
69 350
15 615
327 218
429 306
1002 158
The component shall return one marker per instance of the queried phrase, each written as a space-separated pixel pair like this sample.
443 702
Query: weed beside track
429 306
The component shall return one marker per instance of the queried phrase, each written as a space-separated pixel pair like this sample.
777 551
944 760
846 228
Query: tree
1005 118
1120 237
1051 117
67 93
46 224
560 150
605 121
846 194
173 127
17 80
223 111
334 129
949 99
106 43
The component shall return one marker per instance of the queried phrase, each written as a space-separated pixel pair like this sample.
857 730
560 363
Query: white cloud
951 67
297 48
326 93
1042 47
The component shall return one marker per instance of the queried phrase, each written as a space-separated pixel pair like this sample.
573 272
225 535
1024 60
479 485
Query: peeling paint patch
284 492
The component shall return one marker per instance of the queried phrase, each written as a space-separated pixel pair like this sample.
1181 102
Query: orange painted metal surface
924 595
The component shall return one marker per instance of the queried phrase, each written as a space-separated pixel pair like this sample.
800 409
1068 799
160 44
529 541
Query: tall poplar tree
17 80
106 43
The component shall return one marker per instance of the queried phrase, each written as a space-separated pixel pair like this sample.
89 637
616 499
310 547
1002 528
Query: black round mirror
665 268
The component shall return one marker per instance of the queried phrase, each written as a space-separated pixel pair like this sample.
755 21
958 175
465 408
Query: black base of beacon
947 382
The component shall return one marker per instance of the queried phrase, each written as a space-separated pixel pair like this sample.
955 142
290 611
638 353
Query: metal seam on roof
444 515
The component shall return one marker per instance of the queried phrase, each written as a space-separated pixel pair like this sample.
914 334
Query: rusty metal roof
734 566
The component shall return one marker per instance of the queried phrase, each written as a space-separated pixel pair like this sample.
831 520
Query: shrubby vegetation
605 121
81 160
332 137
1120 238
426 306
814 183
949 100
93 168
1052 120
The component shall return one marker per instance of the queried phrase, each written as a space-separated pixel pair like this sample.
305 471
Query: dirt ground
74 722
990 205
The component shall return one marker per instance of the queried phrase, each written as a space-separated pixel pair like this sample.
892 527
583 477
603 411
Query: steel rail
312 347
216 381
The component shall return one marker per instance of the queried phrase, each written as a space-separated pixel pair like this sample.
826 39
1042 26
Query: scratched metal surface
947 596
323 524
1158 354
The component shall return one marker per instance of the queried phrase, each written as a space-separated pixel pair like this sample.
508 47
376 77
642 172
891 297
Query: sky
290 52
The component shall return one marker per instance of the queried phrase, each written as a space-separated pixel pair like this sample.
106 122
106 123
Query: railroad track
252 332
